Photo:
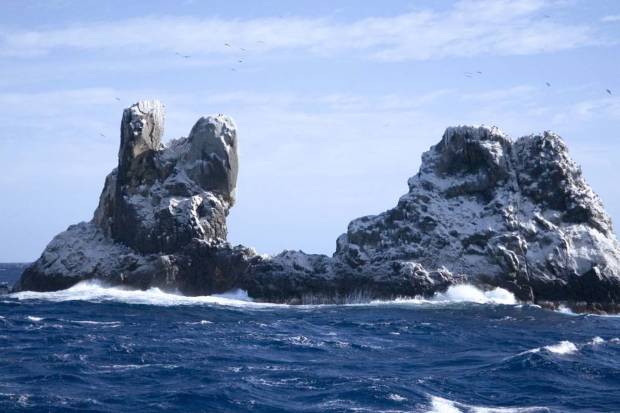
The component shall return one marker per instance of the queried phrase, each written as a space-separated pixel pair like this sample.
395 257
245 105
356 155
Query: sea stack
161 205
483 209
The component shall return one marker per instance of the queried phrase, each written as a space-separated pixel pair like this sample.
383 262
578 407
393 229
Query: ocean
101 349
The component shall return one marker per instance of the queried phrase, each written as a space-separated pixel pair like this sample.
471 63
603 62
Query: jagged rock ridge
482 209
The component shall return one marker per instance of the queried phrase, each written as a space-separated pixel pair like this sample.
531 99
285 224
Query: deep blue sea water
92 348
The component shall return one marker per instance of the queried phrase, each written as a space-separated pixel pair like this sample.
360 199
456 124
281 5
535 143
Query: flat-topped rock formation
482 209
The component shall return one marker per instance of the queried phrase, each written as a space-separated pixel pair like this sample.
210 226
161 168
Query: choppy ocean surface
92 348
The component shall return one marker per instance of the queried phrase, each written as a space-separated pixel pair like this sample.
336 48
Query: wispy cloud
469 28
611 18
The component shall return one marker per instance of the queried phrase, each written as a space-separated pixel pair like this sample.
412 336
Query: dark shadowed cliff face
482 209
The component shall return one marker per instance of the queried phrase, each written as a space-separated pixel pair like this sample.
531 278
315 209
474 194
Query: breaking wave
566 347
97 292
441 405
94 291
563 347
462 293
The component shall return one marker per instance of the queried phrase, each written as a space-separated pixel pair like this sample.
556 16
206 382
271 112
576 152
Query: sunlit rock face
483 209
160 202
161 197
489 210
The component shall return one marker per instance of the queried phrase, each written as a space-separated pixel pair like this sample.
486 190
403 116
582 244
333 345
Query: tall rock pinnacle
160 198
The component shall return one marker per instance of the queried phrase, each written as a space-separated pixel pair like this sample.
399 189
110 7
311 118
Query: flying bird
184 56
226 44
468 74
102 135
548 84
119 99
608 92
240 61
243 50
479 72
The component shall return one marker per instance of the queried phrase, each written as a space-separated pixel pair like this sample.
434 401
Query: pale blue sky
334 100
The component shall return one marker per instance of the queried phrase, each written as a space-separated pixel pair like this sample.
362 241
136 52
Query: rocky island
483 209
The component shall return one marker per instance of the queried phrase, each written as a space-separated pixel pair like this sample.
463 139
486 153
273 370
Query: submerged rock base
483 209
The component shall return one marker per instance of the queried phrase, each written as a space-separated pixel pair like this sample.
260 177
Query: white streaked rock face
157 201
514 214
482 209
161 197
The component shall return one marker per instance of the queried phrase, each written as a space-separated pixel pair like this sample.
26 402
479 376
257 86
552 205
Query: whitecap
35 319
441 405
123 367
597 340
201 322
567 347
23 400
101 323
396 397
563 347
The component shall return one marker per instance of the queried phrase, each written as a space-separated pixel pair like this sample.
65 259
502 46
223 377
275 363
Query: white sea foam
565 310
568 347
96 292
101 323
35 319
441 405
238 295
462 293
201 322
563 347
471 294
396 397
596 341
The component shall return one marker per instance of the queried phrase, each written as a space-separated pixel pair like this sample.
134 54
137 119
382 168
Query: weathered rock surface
160 203
483 209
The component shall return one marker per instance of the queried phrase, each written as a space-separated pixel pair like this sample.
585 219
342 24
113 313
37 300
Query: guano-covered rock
483 209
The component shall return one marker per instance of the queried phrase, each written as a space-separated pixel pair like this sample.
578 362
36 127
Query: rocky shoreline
483 209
